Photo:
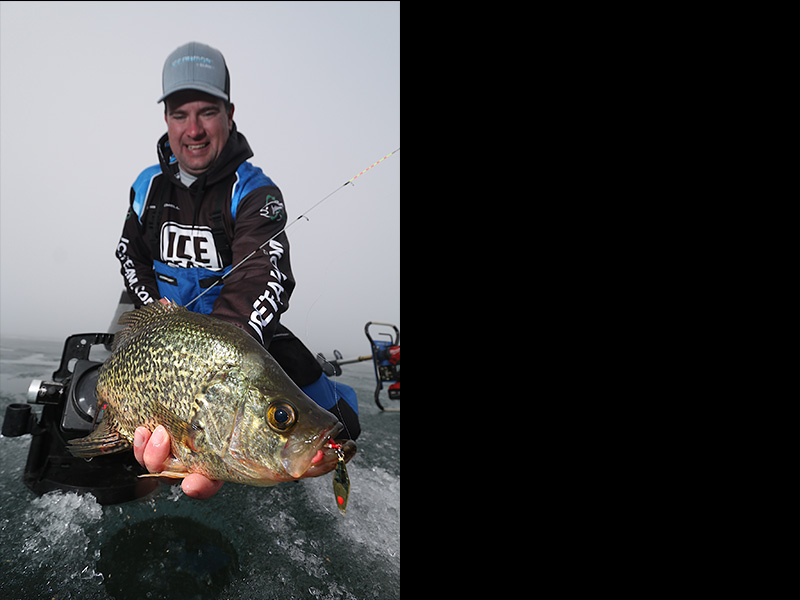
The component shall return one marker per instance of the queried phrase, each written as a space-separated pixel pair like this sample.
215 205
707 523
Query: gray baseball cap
196 66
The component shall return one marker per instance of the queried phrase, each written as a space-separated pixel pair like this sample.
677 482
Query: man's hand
153 452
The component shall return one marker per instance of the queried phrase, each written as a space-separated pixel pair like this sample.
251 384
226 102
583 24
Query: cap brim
208 89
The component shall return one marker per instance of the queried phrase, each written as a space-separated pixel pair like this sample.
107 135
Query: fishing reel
70 410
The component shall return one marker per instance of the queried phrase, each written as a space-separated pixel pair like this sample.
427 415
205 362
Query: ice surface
48 551
57 520
373 511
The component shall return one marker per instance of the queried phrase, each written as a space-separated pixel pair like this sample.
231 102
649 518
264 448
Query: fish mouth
326 459
298 466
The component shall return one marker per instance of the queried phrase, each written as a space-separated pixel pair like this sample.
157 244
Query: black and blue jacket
178 240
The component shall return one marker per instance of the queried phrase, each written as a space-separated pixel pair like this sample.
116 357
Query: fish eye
281 416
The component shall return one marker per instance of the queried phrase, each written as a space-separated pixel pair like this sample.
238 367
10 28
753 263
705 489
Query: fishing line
340 416
302 216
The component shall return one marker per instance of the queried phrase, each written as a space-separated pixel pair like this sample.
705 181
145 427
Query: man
196 215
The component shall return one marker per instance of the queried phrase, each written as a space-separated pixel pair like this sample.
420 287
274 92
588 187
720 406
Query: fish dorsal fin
144 315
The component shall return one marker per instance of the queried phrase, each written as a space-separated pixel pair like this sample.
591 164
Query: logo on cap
203 61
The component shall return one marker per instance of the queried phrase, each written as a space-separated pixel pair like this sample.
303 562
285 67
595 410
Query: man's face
198 128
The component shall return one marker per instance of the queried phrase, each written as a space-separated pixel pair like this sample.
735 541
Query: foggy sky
316 87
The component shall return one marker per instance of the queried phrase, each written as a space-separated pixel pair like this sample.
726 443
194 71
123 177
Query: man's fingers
153 451
197 486
157 450
140 438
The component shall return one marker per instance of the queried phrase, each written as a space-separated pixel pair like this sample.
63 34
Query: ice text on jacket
184 246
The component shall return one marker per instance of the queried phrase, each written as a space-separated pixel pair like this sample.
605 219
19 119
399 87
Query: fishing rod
302 216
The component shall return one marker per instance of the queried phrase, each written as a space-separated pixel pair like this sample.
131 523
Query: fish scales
232 413
171 367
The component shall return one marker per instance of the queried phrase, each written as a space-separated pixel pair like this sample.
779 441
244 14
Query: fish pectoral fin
173 468
103 440
181 432
170 474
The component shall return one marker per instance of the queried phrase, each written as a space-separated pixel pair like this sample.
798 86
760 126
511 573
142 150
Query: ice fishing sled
385 360
385 356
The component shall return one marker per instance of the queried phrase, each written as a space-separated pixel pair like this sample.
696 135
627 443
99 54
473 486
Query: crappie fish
231 412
